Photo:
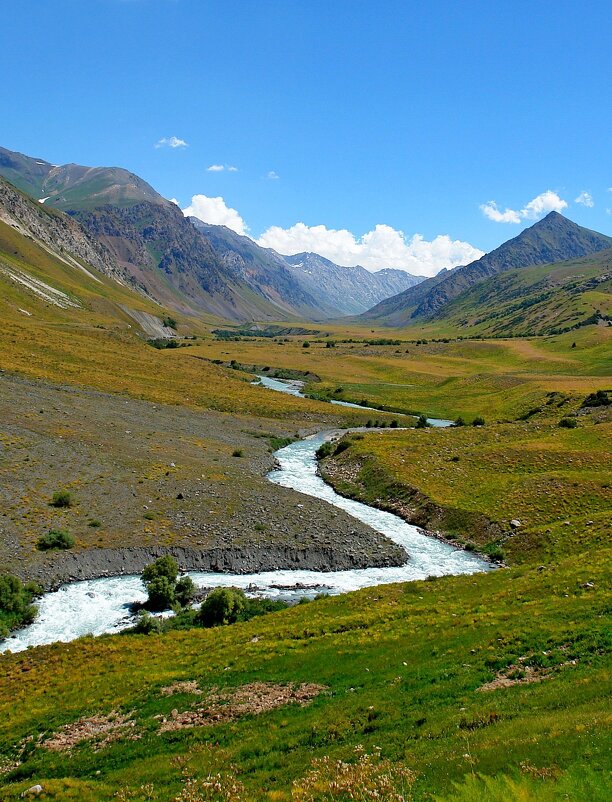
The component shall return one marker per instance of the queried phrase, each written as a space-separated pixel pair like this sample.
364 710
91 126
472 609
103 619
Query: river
295 387
101 606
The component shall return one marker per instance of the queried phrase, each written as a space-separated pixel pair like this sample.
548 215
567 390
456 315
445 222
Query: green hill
502 675
547 299
550 240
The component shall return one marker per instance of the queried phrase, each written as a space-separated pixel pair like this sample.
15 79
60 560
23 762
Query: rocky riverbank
146 479
455 527
93 563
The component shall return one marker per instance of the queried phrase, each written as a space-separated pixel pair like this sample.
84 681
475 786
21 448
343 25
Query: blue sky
340 115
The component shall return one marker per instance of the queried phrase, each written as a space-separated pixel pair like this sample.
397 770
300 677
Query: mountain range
110 220
188 265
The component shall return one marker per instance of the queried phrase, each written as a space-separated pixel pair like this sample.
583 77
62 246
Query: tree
165 566
184 591
161 593
422 422
478 421
165 589
221 606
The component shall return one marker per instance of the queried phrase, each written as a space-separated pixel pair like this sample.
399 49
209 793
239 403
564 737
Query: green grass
471 482
403 665
499 379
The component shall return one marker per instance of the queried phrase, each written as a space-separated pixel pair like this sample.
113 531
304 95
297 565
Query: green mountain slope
552 239
54 273
397 309
184 264
502 675
547 299
73 186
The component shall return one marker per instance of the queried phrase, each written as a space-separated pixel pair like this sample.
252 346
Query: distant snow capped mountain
351 290
316 287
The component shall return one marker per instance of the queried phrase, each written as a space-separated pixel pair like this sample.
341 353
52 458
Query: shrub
161 593
61 498
161 342
568 423
165 566
237 452
495 553
12 593
422 422
342 446
394 424
598 399
169 322
94 523
478 421
221 606
147 623
306 344
459 422
324 450
16 608
184 591
55 539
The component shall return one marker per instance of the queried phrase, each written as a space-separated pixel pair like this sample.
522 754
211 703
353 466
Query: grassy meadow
500 379
406 669
470 482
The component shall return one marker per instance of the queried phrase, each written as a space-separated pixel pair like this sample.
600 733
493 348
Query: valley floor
484 687
145 477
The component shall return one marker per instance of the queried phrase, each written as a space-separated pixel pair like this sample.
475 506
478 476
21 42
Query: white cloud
216 212
171 142
382 247
585 199
546 202
272 176
219 168
174 200
491 211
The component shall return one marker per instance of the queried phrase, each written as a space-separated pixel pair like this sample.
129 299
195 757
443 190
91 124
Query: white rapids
100 606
